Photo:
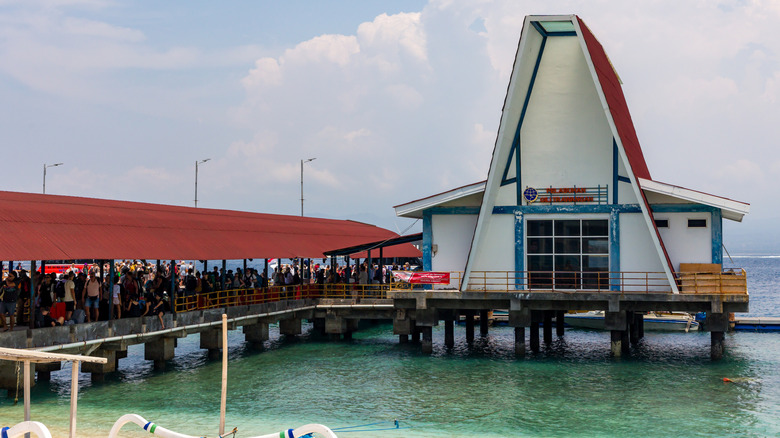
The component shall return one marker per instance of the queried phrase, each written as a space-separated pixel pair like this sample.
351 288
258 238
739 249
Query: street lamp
303 161
45 166
197 163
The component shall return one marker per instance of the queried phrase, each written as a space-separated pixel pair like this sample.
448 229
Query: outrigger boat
27 427
653 321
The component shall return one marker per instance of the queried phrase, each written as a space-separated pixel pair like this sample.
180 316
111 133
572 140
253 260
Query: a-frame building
569 202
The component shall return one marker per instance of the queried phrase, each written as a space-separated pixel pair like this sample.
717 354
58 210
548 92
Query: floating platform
757 324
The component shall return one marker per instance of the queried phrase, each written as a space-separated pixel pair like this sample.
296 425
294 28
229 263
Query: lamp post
303 161
45 166
197 163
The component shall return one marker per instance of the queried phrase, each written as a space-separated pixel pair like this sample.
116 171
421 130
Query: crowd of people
140 289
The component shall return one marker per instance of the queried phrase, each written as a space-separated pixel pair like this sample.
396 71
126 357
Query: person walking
9 293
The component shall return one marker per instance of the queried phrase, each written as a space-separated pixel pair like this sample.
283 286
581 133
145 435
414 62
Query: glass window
697 223
568 254
662 223
567 245
567 228
540 245
557 26
595 228
595 245
540 228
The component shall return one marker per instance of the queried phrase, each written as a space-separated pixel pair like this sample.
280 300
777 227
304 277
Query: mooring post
469 326
559 322
483 323
548 326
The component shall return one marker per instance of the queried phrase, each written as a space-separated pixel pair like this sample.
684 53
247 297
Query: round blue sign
530 194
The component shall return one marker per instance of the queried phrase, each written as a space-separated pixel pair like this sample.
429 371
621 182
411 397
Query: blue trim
290 433
562 33
624 179
539 29
614 248
717 237
566 209
505 181
516 140
427 240
451 210
146 426
519 248
5 432
614 171
682 208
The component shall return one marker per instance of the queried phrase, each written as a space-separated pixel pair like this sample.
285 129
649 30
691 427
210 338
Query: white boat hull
652 322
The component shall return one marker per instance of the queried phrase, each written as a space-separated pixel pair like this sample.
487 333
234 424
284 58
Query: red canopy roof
51 227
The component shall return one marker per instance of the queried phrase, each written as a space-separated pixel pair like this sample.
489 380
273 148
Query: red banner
422 277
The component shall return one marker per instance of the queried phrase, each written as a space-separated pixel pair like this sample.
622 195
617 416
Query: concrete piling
548 327
559 322
449 333
256 334
427 339
520 341
483 323
469 326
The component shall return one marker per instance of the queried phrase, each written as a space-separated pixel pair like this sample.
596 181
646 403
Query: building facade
569 202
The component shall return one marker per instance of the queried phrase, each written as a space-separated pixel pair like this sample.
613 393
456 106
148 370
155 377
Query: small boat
653 321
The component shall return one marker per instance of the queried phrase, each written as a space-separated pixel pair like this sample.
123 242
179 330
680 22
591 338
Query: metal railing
732 281
243 297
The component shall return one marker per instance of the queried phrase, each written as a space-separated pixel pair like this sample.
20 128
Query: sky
396 100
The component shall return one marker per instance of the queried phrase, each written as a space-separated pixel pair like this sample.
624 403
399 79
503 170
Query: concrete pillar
520 341
534 332
159 350
634 328
318 326
640 324
427 339
449 333
616 344
43 370
469 326
403 339
256 334
290 327
348 335
8 378
335 325
99 370
211 340
483 323
415 332
716 347
548 326
559 322
402 326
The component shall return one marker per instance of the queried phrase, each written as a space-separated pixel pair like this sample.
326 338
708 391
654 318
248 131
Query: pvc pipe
319 429
138 336
25 427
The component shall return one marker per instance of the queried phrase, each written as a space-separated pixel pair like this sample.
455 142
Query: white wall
683 244
497 249
638 254
452 236
566 140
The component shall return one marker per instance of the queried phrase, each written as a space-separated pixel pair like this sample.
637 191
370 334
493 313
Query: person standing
9 294
92 299
70 296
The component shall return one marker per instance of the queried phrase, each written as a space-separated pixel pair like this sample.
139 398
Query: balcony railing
733 281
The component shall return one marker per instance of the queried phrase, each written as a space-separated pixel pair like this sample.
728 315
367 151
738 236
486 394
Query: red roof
51 227
618 107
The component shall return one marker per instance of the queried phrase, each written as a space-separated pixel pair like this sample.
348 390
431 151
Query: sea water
667 386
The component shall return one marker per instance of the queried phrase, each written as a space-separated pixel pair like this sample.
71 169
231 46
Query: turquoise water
667 387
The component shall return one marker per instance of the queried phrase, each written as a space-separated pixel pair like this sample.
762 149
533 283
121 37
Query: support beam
534 332
427 339
290 327
548 327
519 341
159 350
716 348
483 323
559 322
211 340
449 333
256 334
616 343
469 326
